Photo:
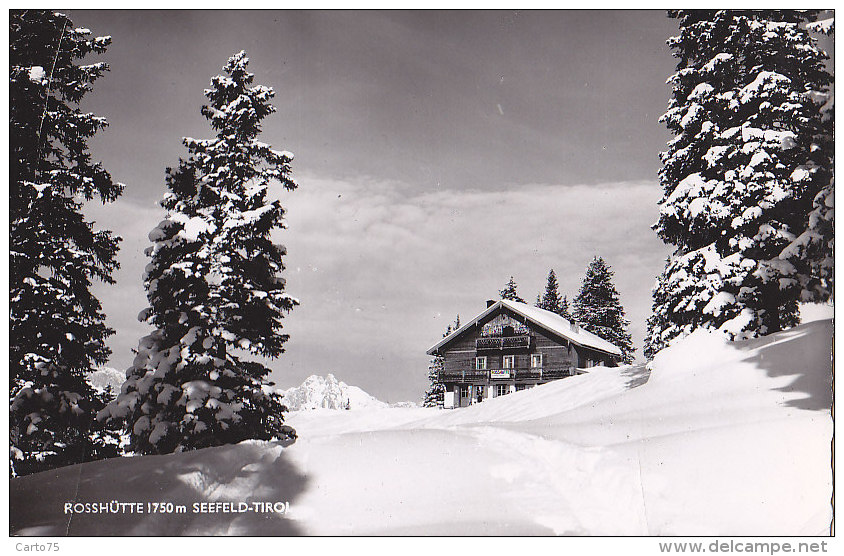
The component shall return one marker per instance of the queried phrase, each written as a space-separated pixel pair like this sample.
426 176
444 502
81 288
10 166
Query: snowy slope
720 439
328 393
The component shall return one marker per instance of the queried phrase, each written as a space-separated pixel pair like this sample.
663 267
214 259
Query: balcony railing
553 374
526 374
473 375
502 342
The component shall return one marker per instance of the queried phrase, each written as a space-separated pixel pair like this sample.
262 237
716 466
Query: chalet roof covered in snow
544 319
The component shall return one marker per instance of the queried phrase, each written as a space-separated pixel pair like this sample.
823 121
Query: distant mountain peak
103 377
327 392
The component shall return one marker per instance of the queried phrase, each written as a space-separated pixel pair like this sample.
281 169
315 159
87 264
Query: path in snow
464 472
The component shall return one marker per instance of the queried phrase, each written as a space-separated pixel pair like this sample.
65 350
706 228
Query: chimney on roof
490 303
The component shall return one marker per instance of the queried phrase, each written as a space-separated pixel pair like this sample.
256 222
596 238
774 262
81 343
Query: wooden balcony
502 342
528 374
554 374
495 375
463 376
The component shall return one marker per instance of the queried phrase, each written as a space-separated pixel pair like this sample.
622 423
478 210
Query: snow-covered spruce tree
434 396
56 327
551 298
749 165
811 252
564 308
597 308
657 323
214 287
509 292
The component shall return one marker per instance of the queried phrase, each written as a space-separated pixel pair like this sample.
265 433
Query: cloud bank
381 269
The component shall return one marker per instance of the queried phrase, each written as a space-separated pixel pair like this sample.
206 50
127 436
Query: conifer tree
214 287
509 292
812 251
657 324
551 298
748 178
597 308
564 308
434 397
57 331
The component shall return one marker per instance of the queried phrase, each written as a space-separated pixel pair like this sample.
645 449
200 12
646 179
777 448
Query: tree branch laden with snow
214 287
57 329
747 178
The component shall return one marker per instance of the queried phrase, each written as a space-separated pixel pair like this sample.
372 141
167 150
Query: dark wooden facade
503 352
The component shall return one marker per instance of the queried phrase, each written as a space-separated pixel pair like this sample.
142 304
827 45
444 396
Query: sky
437 154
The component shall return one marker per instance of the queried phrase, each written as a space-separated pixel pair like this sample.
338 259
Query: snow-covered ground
719 439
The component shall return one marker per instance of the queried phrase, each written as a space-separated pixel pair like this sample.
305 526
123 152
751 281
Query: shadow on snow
790 355
247 472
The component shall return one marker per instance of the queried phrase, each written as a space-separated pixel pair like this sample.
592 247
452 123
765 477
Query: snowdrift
717 438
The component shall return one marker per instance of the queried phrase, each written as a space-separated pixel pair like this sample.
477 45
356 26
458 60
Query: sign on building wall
499 373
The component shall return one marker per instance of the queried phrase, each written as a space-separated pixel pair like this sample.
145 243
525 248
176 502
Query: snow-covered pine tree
564 308
597 308
749 166
56 327
812 251
657 323
551 298
509 292
434 396
214 287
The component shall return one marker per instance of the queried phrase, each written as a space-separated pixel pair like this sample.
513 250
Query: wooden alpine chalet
512 346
